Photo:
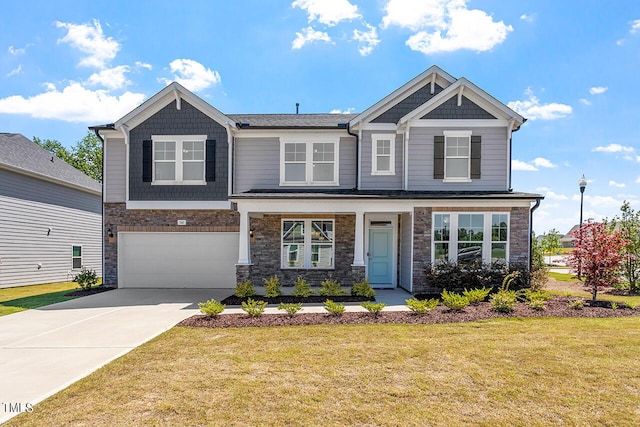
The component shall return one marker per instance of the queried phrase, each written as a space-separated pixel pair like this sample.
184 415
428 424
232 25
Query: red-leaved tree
598 254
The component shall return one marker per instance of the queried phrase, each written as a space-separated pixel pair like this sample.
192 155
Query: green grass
505 372
563 277
13 300
635 300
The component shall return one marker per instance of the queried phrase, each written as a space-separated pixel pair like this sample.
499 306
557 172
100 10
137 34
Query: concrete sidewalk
42 351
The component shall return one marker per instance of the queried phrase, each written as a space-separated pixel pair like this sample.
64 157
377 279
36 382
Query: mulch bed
85 292
557 307
313 299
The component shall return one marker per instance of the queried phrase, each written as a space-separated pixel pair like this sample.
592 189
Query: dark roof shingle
292 120
22 154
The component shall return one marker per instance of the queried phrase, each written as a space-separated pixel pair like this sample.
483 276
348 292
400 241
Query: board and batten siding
115 176
257 165
494 164
28 208
381 182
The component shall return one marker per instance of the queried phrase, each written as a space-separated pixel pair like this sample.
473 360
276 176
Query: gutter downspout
357 152
531 233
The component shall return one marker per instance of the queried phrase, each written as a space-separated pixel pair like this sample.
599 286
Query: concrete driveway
42 351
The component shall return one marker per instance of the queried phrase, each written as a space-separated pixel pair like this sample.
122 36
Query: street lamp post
582 184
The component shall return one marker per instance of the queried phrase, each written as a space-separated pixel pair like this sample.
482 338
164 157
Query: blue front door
381 257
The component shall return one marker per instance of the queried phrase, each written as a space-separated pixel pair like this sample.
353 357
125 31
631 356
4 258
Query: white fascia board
49 179
379 126
442 78
444 123
166 96
293 134
178 205
317 206
474 94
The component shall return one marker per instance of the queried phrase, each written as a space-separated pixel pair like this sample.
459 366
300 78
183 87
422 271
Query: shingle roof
22 154
292 120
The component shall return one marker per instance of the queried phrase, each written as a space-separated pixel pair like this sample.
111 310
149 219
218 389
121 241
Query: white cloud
309 35
533 110
543 189
14 51
140 64
527 18
192 75
600 202
555 196
111 78
338 111
635 26
74 103
638 180
445 25
543 163
91 40
585 101
368 39
616 184
15 71
518 165
597 90
328 12
614 148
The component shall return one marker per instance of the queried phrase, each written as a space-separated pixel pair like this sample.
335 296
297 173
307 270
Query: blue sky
571 67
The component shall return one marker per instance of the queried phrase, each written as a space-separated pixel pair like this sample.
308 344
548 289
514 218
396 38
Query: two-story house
197 198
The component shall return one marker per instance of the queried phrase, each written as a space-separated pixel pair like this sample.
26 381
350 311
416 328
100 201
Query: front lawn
506 372
13 300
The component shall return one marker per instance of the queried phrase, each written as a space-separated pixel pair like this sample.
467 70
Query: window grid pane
307 244
457 150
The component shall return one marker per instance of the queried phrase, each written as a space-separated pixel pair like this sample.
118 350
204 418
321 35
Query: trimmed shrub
87 278
448 275
373 307
363 289
537 304
454 301
421 306
503 301
335 309
211 307
290 308
254 308
576 304
476 296
245 289
272 286
301 288
330 288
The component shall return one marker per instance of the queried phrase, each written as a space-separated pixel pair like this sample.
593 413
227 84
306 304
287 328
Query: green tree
537 258
55 147
85 156
551 242
628 223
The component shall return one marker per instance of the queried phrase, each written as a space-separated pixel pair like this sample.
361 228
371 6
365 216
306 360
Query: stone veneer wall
118 218
266 254
518 239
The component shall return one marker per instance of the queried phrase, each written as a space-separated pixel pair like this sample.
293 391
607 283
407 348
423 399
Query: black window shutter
211 160
438 157
476 151
147 160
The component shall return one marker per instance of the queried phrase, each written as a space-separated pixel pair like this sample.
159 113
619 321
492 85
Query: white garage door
177 260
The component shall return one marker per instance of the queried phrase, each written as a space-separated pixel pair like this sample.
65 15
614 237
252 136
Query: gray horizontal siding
494 160
257 164
115 176
20 186
381 182
24 242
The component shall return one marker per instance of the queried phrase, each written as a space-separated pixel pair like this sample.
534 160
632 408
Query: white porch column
243 252
358 246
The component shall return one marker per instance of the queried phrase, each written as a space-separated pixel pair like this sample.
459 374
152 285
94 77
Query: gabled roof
441 77
22 155
172 92
471 91
302 121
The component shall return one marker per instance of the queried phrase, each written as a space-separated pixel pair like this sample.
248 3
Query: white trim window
307 243
457 156
179 159
470 237
383 154
76 257
309 161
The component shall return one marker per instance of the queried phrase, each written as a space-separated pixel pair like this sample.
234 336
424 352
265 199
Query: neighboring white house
50 216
